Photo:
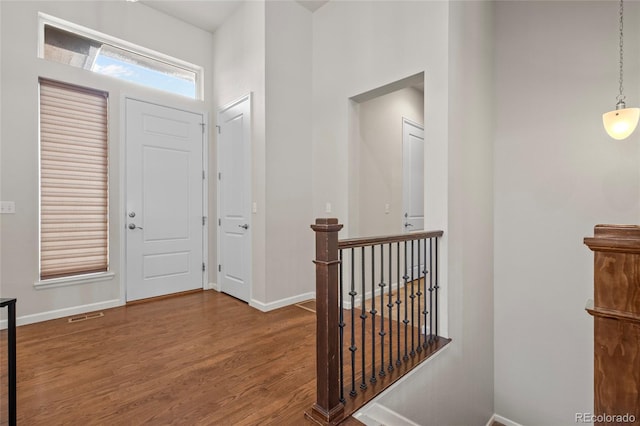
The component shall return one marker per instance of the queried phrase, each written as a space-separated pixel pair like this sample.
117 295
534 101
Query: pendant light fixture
622 121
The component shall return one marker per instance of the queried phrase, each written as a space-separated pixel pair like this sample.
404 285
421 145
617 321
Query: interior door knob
133 226
245 226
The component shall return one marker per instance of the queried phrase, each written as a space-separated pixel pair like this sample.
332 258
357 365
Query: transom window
81 47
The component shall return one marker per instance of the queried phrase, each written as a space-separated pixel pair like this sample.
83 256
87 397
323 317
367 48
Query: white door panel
164 200
166 193
234 161
413 187
413 176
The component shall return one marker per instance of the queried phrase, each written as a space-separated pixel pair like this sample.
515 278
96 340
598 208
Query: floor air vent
85 317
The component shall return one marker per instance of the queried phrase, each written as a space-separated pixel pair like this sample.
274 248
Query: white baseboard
502 420
380 415
61 313
401 380
214 286
266 307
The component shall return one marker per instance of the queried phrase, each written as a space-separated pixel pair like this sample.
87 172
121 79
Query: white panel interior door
164 191
412 176
234 199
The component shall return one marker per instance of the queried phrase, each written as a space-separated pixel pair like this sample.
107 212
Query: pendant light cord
621 97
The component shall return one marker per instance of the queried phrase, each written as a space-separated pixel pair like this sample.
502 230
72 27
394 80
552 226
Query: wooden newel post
616 312
328 409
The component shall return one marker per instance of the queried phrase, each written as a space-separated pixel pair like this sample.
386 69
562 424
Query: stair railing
377 313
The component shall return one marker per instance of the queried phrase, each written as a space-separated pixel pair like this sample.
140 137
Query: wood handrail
372 241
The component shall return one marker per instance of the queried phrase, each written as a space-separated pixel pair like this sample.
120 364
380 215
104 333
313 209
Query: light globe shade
620 123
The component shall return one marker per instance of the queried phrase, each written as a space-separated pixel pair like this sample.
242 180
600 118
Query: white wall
239 69
557 174
265 49
1 292
362 45
20 69
289 240
380 160
359 46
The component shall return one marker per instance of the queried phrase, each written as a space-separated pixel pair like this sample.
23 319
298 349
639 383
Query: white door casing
164 200
234 198
412 176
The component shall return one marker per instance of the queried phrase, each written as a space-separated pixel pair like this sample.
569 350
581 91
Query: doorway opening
386 159
234 199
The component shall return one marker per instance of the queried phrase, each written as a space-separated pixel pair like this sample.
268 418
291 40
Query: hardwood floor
198 359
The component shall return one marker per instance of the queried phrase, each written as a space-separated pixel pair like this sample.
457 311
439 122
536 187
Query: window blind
74 197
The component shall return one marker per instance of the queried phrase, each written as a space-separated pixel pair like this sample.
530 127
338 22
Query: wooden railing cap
371 241
619 231
326 224
615 238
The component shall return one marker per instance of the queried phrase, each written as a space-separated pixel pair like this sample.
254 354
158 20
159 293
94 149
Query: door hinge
204 220
219 175
219 222
219 268
204 267
203 175
218 128
203 125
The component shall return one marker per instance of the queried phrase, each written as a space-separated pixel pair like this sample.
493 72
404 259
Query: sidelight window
74 191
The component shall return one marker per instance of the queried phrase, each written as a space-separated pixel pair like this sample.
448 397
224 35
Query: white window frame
44 19
80 278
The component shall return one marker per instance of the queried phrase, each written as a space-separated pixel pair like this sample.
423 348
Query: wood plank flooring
198 359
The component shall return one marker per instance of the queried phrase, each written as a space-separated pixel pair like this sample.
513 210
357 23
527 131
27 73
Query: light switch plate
7 207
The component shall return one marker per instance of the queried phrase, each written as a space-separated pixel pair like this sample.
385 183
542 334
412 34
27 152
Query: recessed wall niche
376 163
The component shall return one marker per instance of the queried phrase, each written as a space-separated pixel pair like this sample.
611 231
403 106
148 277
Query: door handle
245 226
133 226
407 224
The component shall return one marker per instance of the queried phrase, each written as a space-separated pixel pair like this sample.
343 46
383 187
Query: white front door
412 176
234 199
164 193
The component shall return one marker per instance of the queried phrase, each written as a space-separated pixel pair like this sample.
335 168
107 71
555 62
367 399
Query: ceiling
210 14
207 15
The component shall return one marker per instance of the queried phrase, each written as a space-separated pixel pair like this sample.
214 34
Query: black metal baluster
413 283
430 289
353 347
406 308
437 331
341 325
390 306
373 313
398 302
382 332
363 317
425 312
418 294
